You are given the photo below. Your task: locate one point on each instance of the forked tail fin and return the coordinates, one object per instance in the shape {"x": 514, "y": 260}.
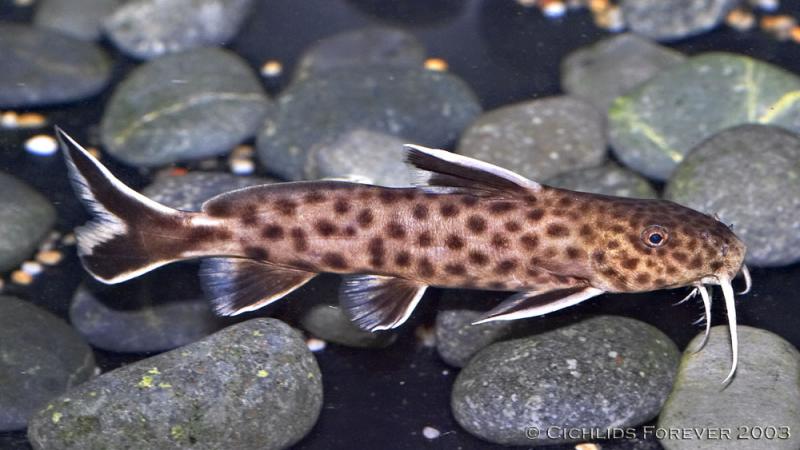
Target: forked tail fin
{"x": 129, "y": 234}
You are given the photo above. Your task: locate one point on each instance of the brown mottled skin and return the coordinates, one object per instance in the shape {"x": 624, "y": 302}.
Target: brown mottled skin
{"x": 553, "y": 238}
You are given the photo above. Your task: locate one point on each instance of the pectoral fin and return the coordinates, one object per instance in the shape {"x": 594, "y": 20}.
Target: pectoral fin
{"x": 531, "y": 304}
{"x": 240, "y": 285}
{"x": 375, "y": 302}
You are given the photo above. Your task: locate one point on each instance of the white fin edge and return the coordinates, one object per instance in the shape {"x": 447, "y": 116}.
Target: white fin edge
{"x": 564, "y": 302}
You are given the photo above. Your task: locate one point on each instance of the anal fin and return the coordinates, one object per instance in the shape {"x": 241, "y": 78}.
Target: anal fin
{"x": 238, "y": 285}
{"x": 532, "y": 304}
{"x": 375, "y": 302}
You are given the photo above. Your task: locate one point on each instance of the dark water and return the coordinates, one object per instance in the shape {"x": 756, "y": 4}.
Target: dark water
{"x": 384, "y": 398}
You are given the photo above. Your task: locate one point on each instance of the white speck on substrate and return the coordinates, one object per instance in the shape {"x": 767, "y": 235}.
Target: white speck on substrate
{"x": 32, "y": 268}
{"x": 575, "y": 373}
{"x": 41, "y": 144}
{"x": 572, "y": 364}
{"x": 316, "y": 345}
{"x": 445, "y": 372}
{"x": 612, "y": 354}
{"x": 553, "y": 155}
{"x": 431, "y": 433}
{"x": 641, "y": 374}
{"x": 242, "y": 166}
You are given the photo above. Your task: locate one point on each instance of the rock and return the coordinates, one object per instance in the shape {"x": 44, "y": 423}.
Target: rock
{"x": 418, "y": 105}
{"x": 457, "y": 340}
{"x": 41, "y": 358}
{"x": 741, "y": 175}
{"x": 668, "y": 20}
{"x": 188, "y": 192}
{"x": 330, "y": 324}
{"x": 374, "y": 45}
{"x": 608, "y": 179}
{"x": 538, "y": 138}
{"x": 601, "y": 372}
{"x": 150, "y": 328}
{"x": 149, "y": 28}
{"x": 25, "y": 218}
{"x": 81, "y": 19}
{"x": 251, "y": 385}
{"x": 762, "y": 398}
{"x": 42, "y": 67}
{"x": 365, "y": 154}
{"x": 612, "y": 67}
{"x": 191, "y": 105}
{"x": 655, "y": 126}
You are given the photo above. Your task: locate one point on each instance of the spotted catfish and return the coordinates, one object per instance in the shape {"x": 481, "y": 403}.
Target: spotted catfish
{"x": 467, "y": 224}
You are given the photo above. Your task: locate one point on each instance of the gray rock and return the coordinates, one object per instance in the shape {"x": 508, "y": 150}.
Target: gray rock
{"x": 81, "y": 19}
{"x": 612, "y": 67}
{"x": 25, "y": 218}
{"x": 366, "y": 46}
{"x": 191, "y": 105}
{"x": 419, "y": 105}
{"x": 40, "y": 358}
{"x": 42, "y": 67}
{"x": 457, "y": 340}
{"x": 188, "y": 192}
{"x": 655, "y": 126}
{"x": 251, "y": 385}
{"x": 602, "y": 372}
{"x": 365, "y": 154}
{"x": 608, "y": 179}
{"x": 150, "y": 28}
{"x": 749, "y": 176}
{"x": 150, "y": 328}
{"x": 331, "y": 324}
{"x": 667, "y": 20}
{"x": 762, "y": 397}
{"x": 538, "y": 138}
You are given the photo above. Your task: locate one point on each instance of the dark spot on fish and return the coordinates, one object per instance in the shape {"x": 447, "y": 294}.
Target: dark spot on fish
{"x": 420, "y": 211}
{"x": 341, "y": 206}
{"x": 376, "y": 252}
{"x": 350, "y": 231}
{"x": 502, "y": 207}
{"x": 449, "y": 209}
{"x": 303, "y": 265}
{"x": 476, "y": 224}
{"x": 499, "y": 285}
{"x": 536, "y": 261}
{"x": 617, "y": 228}
{"x": 630, "y": 263}
{"x": 671, "y": 270}
{"x": 223, "y": 234}
{"x": 219, "y": 209}
{"x": 258, "y": 253}
{"x": 454, "y": 242}
{"x": 395, "y": 230}
{"x": 409, "y": 194}
{"x": 599, "y": 256}
{"x": 455, "y": 269}
{"x": 272, "y": 232}
{"x": 512, "y": 227}
{"x": 529, "y": 198}
{"x": 364, "y": 218}
{"x": 529, "y": 240}
{"x": 334, "y": 260}
{"x": 469, "y": 200}
{"x": 325, "y": 228}
{"x": 649, "y": 263}
{"x": 364, "y": 194}
{"x": 499, "y": 241}
{"x": 249, "y": 216}
{"x": 403, "y": 259}
{"x": 535, "y": 215}
{"x": 478, "y": 258}
{"x": 557, "y": 230}
{"x": 573, "y": 252}
{"x": 716, "y": 265}
{"x": 505, "y": 267}
{"x": 642, "y": 278}
{"x": 388, "y": 196}
{"x": 314, "y": 197}
{"x": 691, "y": 245}
{"x": 286, "y": 206}
{"x": 679, "y": 256}
{"x": 550, "y": 252}
{"x": 660, "y": 282}
{"x": 559, "y": 212}
{"x": 426, "y": 269}
{"x": 612, "y": 244}
{"x": 586, "y": 230}
{"x": 425, "y": 239}
{"x": 696, "y": 262}
{"x": 299, "y": 239}
{"x": 565, "y": 202}
{"x": 201, "y": 233}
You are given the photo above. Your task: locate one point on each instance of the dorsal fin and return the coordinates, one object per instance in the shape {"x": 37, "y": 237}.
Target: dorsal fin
{"x": 448, "y": 169}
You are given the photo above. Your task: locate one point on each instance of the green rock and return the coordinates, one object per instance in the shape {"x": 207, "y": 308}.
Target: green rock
{"x": 458, "y": 340}
{"x": 762, "y": 398}
{"x": 608, "y": 179}
{"x": 331, "y": 324}
{"x": 254, "y": 385}
{"x": 655, "y": 126}
{"x": 25, "y": 218}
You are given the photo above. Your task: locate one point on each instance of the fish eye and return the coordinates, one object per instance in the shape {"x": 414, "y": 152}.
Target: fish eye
{"x": 655, "y": 236}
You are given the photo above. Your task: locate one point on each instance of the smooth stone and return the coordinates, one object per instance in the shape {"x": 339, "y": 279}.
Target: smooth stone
{"x": 191, "y": 105}
{"x": 601, "y": 372}
{"x": 366, "y": 46}
{"x": 43, "y": 67}
{"x": 418, "y": 105}
{"x": 601, "y": 72}
{"x": 151, "y": 328}
{"x": 763, "y": 394}
{"x": 251, "y": 385}
{"x": 42, "y": 357}
{"x": 750, "y": 176}
{"x": 538, "y": 138}
{"x": 457, "y": 340}
{"x": 653, "y": 128}
{"x": 608, "y": 179}
{"x": 81, "y": 19}
{"x": 669, "y": 20}
{"x": 364, "y": 154}
{"x": 149, "y": 28}
{"x": 188, "y": 192}
{"x": 25, "y": 219}
{"x": 331, "y": 324}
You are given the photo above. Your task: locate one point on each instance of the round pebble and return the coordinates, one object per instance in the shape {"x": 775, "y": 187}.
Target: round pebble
{"x": 736, "y": 174}
{"x": 608, "y": 179}
{"x": 458, "y": 340}
{"x": 41, "y": 144}
{"x": 25, "y": 219}
{"x": 331, "y": 324}
{"x": 188, "y": 192}
{"x": 431, "y": 433}
{"x": 81, "y": 19}
{"x": 668, "y": 20}
{"x": 538, "y": 138}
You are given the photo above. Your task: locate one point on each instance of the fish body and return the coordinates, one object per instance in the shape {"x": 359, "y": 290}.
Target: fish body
{"x": 468, "y": 224}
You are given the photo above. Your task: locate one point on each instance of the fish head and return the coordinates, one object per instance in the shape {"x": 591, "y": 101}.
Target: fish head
{"x": 658, "y": 244}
